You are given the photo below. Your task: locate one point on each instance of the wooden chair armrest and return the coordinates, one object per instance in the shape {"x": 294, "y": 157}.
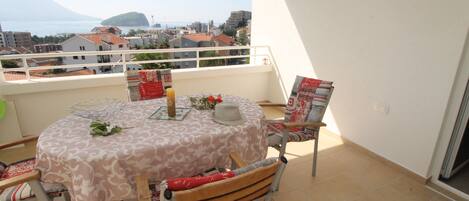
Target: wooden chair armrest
{"x": 143, "y": 190}
{"x": 237, "y": 160}
{"x": 272, "y": 105}
{"x": 304, "y": 124}
{"x": 34, "y": 175}
{"x": 20, "y": 141}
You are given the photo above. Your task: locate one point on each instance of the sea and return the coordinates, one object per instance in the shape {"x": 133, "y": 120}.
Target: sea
{"x": 47, "y": 28}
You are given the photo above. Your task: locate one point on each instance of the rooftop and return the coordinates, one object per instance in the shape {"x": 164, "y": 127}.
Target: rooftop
{"x": 108, "y": 38}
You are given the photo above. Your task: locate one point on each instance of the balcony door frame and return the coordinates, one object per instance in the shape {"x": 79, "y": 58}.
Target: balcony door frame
{"x": 448, "y": 124}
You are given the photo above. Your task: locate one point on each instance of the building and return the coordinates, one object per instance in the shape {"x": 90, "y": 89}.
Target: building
{"x": 94, "y": 42}
{"x": 197, "y": 40}
{"x": 237, "y": 19}
{"x": 44, "y": 48}
{"x": 199, "y": 27}
{"x": 107, "y": 29}
{"x": 2, "y": 40}
{"x": 16, "y": 39}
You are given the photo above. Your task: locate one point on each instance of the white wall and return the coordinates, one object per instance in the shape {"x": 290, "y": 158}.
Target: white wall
{"x": 73, "y": 45}
{"x": 402, "y": 54}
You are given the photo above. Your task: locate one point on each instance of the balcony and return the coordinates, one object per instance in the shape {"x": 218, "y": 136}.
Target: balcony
{"x": 36, "y": 102}
{"x": 400, "y": 76}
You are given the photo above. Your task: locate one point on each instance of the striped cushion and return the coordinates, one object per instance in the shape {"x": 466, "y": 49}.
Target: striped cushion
{"x": 297, "y": 134}
{"x": 23, "y": 191}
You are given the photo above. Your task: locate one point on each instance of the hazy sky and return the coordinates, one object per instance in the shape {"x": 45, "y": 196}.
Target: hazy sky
{"x": 163, "y": 10}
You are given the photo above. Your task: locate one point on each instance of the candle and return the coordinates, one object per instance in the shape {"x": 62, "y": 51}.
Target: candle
{"x": 171, "y": 101}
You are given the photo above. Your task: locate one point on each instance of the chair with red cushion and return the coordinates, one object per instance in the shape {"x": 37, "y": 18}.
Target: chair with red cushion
{"x": 21, "y": 181}
{"x": 303, "y": 115}
{"x": 148, "y": 84}
{"x": 247, "y": 182}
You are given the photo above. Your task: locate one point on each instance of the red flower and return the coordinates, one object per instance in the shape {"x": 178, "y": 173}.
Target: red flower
{"x": 211, "y": 99}
{"x": 219, "y": 100}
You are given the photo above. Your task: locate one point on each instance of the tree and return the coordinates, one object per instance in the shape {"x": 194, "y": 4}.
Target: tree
{"x": 243, "y": 38}
{"x": 9, "y": 64}
{"x": 131, "y": 33}
{"x": 153, "y": 56}
{"x": 229, "y": 32}
{"x": 51, "y": 39}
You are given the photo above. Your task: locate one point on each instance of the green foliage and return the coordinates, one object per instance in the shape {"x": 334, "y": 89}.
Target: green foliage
{"x": 212, "y": 62}
{"x": 127, "y": 19}
{"x": 51, "y": 39}
{"x": 229, "y": 32}
{"x": 133, "y": 32}
{"x": 100, "y": 128}
{"x": 243, "y": 38}
{"x": 9, "y": 64}
{"x": 153, "y": 56}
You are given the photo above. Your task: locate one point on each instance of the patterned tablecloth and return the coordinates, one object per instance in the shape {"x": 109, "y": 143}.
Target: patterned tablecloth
{"x": 103, "y": 168}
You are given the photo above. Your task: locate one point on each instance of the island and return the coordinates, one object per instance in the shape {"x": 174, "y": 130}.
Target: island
{"x": 131, "y": 19}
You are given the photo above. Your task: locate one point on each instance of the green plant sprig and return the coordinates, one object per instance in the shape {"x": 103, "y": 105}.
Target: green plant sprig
{"x": 100, "y": 128}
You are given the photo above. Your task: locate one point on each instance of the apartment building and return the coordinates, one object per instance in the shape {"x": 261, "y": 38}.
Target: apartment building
{"x": 44, "y": 48}
{"x": 94, "y": 42}
{"x": 237, "y": 18}
{"x": 16, "y": 39}
{"x": 197, "y": 40}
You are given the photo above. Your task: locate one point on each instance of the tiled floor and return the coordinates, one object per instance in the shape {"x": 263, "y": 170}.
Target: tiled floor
{"x": 344, "y": 173}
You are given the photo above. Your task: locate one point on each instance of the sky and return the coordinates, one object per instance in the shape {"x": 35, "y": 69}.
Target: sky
{"x": 162, "y": 10}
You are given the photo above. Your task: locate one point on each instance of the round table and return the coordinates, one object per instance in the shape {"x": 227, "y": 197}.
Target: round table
{"x": 103, "y": 168}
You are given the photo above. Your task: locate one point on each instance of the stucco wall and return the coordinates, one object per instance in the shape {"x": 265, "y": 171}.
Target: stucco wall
{"x": 393, "y": 64}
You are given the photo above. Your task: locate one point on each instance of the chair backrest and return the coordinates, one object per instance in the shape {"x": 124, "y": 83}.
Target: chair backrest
{"x": 308, "y": 100}
{"x": 148, "y": 84}
{"x": 255, "y": 183}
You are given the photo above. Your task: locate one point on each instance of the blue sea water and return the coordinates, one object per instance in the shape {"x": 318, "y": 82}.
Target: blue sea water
{"x": 43, "y": 28}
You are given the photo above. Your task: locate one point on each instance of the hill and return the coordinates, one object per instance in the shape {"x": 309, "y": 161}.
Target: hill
{"x": 131, "y": 19}
{"x": 34, "y": 10}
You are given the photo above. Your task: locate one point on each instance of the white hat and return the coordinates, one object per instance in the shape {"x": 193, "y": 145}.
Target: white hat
{"x": 228, "y": 114}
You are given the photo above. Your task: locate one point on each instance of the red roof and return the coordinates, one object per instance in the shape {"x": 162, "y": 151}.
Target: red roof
{"x": 98, "y": 38}
{"x": 227, "y": 40}
{"x": 106, "y": 29}
{"x": 199, "y": 37}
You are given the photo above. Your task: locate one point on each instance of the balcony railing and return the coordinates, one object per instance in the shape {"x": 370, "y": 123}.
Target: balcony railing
{"x": 259, "y": 55}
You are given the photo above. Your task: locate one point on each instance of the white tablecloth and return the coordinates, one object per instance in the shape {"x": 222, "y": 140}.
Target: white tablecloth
{"x": 103, "y": 168}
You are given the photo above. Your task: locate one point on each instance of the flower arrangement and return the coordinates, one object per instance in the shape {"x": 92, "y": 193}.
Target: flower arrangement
{"x": 100, "y": 128}
{"x": 205, "y": 102}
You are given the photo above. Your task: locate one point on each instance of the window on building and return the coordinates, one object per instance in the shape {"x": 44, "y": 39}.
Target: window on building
{"x": 82, "y": 57}
{"x": 121, "y": 46}
{"x": 75, "y": 57}
{"x": 100, "y": 48}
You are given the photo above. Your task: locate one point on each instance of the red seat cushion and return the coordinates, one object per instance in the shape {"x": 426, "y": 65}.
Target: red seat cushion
{"x": 18, "y": 168}
{"x": 178, "y": 184}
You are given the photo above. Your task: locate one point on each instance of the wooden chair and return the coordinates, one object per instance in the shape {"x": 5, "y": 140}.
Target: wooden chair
{"x": 303, "y": 115}
{"x": 27, "y": 176}
{"x": 148, "y": 84}
{"x": 255, "y": 183}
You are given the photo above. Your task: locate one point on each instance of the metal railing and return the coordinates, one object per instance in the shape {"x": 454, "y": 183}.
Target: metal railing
{"x": 253, "y": 55}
